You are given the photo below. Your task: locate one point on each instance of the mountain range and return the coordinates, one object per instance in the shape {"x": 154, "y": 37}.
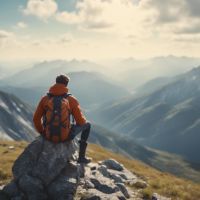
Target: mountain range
{"x": 16, "y": 124}
{"x": 91, "y": 87}
{"x": 43, "y": 74}
{"x": 134, "y": 73}
{"x": 166, "y": 119}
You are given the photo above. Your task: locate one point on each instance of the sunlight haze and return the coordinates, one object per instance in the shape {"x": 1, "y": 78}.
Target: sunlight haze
{"x": 32, "y": 30}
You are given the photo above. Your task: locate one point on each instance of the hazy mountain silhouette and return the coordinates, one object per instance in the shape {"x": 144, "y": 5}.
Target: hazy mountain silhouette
{"x": 43, "y": 74}
{"x": 166, "y": 119}
{"x": 91, "y": 88}
{"x": 135, "y": 73}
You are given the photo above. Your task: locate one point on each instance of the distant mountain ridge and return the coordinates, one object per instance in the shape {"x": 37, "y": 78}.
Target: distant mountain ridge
{"x": 167, "y": 119}
{"x": 137, "y": 72}
{"x": 89, "y": 86}
{"x": 16, "y": 119}
{"x": 43, "y": 73}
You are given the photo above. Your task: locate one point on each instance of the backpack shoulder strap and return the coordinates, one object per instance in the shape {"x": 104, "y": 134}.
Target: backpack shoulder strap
{"x": 49, "y": 95}
{"x": 67, "y": 95}
{"x": 70, "y": 116}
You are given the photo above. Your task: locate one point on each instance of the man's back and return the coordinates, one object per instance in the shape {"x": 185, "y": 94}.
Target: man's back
{"x": 57, "y": 90}
{"x": 52, "y": 128}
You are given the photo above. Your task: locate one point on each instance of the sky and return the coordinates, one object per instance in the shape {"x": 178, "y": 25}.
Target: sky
{"x": 98, "y": 29}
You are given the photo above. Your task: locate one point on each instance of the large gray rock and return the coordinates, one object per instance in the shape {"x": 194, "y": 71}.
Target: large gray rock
{"x": 27, "y": 160}
{"x": 44, "y": 172}
{"x": 64, "y": 186}
{"x": 44, "y": 159}
{"x": 4, "y": 196}
{"x": 32, "y": 187}
{"x": 11, "y": 189}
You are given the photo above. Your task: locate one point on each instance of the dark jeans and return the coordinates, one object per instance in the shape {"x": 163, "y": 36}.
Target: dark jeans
{"x": 76, "y": 129}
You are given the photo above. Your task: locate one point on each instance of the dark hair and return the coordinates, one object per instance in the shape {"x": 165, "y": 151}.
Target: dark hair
{"x": 62, "y": 79}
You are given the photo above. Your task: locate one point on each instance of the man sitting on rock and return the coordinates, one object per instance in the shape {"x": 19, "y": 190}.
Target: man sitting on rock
{"x": 52, "y": 117}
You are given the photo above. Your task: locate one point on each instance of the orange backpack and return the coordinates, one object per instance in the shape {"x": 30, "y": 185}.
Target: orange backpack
{"x": 56, "y": 120}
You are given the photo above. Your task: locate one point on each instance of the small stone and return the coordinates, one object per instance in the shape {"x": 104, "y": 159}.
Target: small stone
{"x": 11, "y": 147}
{"x": 112, "y": 175}
{"x": 94, "y": 173}
{"x": 154, "y": 196}
{"x": 1, "y": 187}
{"x": 103, "y": 170}
{"x": 94, "y": 194}
{"x": 113, "y": 164}
{"x": 124, "y": 176}
{"x": 93, "y": 168}
{"x": 91, "y": 197}
{"x": 140, "y": 184}
{"x": 104, "y": 185}
{"x": 120, "y": 197}
{"x": 116, "y": 178}
{"x": 89, "y": 184}
{"x": 123, "y": 190}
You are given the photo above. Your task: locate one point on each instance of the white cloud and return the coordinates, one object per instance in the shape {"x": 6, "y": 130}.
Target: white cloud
{"x": 21, "y": 25}
{"x": 119, "y": 17}
{"x": 42, "y": 9}
{"x": 6, "y": 38}
{"x": 5, "y": 34}
{"x": 88, "y": 14}
{"x": 112, "y": 28}
{"x": 181, "y": 16}
{"x": 124, "y": 17}
{"x": 68, "y": 18}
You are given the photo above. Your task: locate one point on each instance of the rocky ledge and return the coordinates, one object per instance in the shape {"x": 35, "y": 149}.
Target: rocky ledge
{"x": 47, "y": 171}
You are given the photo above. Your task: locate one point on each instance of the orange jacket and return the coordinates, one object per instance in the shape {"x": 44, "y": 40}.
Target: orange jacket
{"x": 58, "y": 89}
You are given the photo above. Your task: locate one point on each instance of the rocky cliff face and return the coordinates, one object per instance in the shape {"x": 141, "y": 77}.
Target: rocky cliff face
{"x": 47, "y": 171}
{"x": 16, "y": 119}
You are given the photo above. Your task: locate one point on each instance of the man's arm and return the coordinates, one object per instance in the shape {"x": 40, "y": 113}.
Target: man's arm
{"x": 37, "y": 118}
{"x": 76, "y": 111}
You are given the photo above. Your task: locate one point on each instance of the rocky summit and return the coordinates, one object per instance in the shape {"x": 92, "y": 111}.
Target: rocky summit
{"x": 47, "y": 171}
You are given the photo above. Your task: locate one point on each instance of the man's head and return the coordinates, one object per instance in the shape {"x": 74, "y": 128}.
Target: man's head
{"x": 62, "y": 79}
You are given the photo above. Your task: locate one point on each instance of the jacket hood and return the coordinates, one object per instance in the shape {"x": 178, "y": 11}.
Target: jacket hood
{"x": 58, "y": 89}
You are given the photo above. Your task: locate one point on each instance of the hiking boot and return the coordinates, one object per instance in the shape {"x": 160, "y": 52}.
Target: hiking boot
{"x": 82, "y": 151}
{"x": 84, "y": 160}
